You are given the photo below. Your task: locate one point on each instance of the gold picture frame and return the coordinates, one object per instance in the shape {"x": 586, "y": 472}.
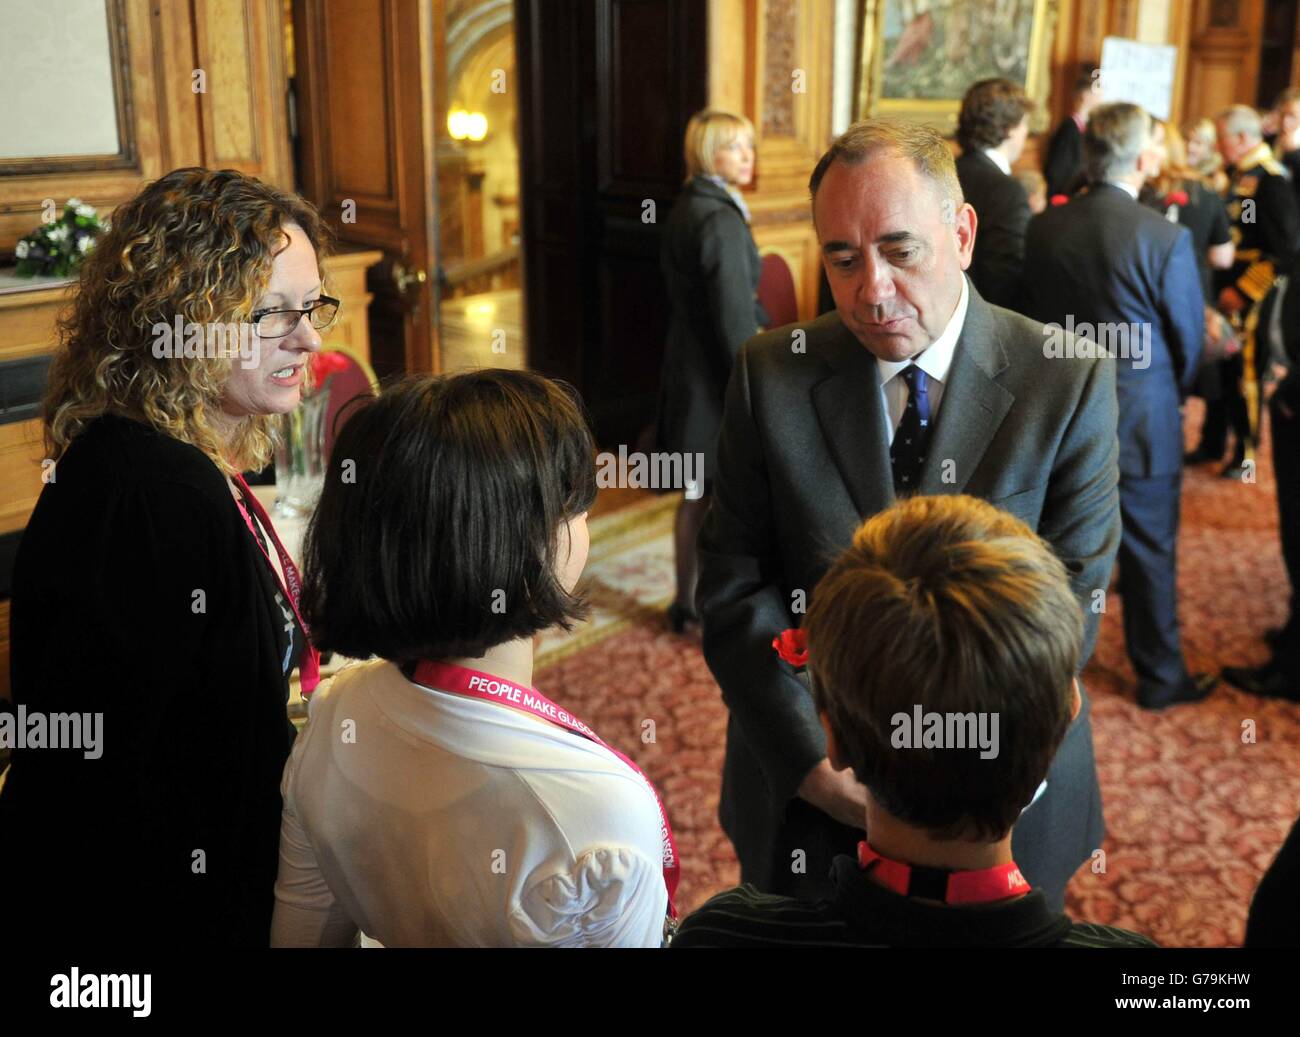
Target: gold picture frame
{"x": 941, "y": 112}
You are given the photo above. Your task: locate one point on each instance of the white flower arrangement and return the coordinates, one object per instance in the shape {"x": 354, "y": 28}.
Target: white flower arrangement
{"x": 58, "y": 248}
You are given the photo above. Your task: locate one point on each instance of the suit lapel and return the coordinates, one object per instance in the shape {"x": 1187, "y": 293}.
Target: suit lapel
{"x": 973, "y": 404}
{"x": 851, "y": 414}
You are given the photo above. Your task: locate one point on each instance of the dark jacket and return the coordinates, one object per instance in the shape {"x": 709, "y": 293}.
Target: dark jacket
{"x": 1265, "y": 224}
{"x": 711, "y": 269}
{"x": 1205, "y": 216}
{"x": 1105, "y": 259}
{"x": 1002, "y": 215}
{"x": 1063, "y": 166}
{"x": 1274, "y": 918}
{"x": 139, "y": 593}
{"x": 803, "y": 460}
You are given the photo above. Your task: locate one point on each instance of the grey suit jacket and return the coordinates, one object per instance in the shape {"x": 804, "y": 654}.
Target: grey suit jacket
{"x": 804, "y": 459}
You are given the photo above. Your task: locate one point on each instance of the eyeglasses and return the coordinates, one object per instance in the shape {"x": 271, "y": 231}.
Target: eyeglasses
{"x": 278, "y": 323}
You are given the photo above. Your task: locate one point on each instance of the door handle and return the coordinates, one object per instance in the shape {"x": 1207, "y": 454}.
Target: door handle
{"x": 404, "y": 278}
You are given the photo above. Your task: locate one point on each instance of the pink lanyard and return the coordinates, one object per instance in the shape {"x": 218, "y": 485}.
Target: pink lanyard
{"x": 309, "y": 668}
{"x": 476, "y": 685}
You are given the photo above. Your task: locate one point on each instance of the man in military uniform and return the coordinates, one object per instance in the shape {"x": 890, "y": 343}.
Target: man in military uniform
{"x": 1280, "y": 676}
{"x": 1265, "y": 229}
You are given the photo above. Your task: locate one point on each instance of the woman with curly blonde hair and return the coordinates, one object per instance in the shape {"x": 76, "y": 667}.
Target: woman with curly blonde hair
{"x": 152, "y": 601}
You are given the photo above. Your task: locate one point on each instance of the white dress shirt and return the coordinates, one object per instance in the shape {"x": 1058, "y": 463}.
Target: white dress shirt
{"x": 428, "y": 819}
{"x": 999, "y": 160}
{"x": 935, "y": 361}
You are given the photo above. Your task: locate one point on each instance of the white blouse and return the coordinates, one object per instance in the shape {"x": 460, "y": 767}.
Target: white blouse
{"x": 427, "y": 819}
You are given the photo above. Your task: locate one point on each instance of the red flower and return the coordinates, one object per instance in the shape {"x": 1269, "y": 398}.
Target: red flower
{"x": 1059, "y": 199}
{"x": 326, "y": 363}
{"x": 792, "y": 646}
{"x": 1175, "y": 198}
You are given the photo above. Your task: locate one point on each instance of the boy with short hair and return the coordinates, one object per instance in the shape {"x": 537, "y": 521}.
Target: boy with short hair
{"x": 942, "y": 647}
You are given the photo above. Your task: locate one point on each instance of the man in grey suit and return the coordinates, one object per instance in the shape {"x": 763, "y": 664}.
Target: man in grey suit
{"x": 913, "y": 384}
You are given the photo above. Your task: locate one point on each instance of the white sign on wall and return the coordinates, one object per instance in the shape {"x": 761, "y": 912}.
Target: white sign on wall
{"x": 1141, "y": 73}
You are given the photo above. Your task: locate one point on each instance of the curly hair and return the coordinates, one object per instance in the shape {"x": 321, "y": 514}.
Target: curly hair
{"x": 197, "y": 244}
{"x": 991, "y": 109}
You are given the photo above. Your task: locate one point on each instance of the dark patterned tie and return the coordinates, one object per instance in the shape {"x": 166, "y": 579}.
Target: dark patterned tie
{"x": 907, "y": 452}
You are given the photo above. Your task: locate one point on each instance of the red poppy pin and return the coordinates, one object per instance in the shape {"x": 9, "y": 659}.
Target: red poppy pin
{"x": 1059, "y": 199}
{"x": 1176, "y": 198}
{"x": 792, "y": 646}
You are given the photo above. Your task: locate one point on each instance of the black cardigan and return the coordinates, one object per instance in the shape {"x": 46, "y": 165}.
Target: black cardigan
{"x": 172, "y": 835}
{"x": 711, "y": 269}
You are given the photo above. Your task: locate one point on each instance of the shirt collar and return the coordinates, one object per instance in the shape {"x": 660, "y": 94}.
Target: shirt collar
{"x": 1081, "y": 122}
{"x": 1127, "y": 188}
{"x": 936, "y": 358}
{"x": 999, "y": 160}
{"x": 901, "y": 921}
{"x": 731, "y": 191}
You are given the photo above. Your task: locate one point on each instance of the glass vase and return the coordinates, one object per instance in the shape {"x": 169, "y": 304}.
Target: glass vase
{"x": 300, "y": 456}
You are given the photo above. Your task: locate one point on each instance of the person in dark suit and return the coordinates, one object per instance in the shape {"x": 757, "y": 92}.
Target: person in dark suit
{"x": 711, "y": 269}
{"x": 913, "y": 385}
{"x": 1063, "y": 164}
{"x": 991, "y": 129}
{"x": 1115, "y": 273}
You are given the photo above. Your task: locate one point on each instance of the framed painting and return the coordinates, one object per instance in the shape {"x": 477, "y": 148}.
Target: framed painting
{"x": 918, "y": 57}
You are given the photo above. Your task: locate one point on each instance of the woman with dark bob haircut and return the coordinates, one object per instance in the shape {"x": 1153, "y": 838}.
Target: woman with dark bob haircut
{"x": 435, "y": 798}
{"x": 146, "y": 604}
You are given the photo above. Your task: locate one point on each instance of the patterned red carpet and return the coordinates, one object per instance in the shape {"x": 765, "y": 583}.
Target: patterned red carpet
{"x": 1198, "y": 799}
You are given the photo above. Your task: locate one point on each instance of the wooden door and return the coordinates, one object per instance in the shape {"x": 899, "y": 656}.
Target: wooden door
{"x": 606, "y": 90}
{"x": 365, "y": 125}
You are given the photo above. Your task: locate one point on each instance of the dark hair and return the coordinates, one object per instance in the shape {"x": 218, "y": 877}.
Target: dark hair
{"x": 951, "y": 605}
{"x": 991, "y": 109}
{"x": 436, "y": 531}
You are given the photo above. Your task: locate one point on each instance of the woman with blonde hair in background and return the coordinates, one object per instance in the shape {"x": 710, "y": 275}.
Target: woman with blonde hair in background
{"x": 711, "y": 268}
{"x": 1203, "y": 156}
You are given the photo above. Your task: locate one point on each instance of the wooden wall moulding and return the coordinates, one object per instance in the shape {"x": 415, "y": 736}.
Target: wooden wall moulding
{"x": 102, "y": 181}
{"x": 352, "y": 135}
{"x": 126, "y": 157}
{"x": 1222, "y": 55}
{"x": 238, "y": 47}
{"x": 780, "y": 57}
{"x": 790, "y": 48}
{"x": 238, "y": 121}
